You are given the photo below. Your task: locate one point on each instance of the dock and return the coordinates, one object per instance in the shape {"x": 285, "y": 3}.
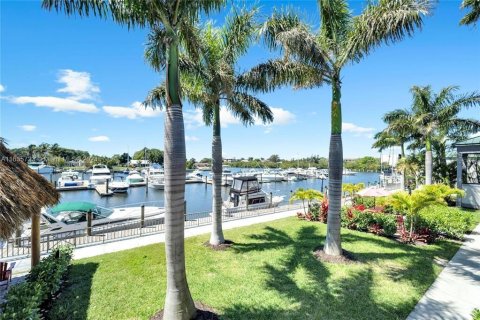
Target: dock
{"x": 74, "y": 188}
{"x": 103, "y": 191}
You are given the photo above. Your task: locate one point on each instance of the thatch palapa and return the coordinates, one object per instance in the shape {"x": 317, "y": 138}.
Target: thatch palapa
{"x": 23, "y": 192}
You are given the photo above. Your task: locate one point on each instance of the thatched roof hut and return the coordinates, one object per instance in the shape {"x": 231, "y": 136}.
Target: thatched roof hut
{"x": 23, "y": 192}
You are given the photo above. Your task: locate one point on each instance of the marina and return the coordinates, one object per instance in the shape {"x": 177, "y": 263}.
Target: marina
{"x": 198, "y": 190}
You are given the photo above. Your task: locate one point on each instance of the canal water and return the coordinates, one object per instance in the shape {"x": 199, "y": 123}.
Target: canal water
{"x": 198, "y": 195}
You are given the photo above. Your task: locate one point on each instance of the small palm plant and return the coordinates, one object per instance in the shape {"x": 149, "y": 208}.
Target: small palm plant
{"x": 422, "y": 198}
{"x": 308, "y": 195}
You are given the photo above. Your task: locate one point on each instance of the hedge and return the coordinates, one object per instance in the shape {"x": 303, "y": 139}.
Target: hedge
{"x": 23, "y": 301}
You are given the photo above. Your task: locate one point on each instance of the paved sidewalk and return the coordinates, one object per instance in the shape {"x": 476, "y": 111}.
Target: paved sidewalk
{"x": 456, "y": 292}
{"x": 23, "y": 265}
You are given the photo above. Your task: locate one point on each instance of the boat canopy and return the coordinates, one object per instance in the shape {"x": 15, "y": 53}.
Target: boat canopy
{"x": 244, "y": 185}
{"x": 73, "y": 206}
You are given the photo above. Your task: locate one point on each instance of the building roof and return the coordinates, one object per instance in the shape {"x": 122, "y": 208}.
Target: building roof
{"x": 468, "y": 142}
{"x": 23, "y": 192}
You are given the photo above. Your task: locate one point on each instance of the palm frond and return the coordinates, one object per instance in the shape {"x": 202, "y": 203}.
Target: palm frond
{"x": 474, "y": 14}
{"x": 387, "y": 21}
{"x": 254, "y": 106}
{"x": 279, "y": 72}
{"x": 238, "y": 32}
{"x": 156, "y": 47}
{"x": 279, "y": 22}
{"x": 156, "y": 98}
{"x": 335, "y": 20}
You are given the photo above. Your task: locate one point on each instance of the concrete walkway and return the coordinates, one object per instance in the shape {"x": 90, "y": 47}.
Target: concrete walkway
{"x": 456, "y": 292}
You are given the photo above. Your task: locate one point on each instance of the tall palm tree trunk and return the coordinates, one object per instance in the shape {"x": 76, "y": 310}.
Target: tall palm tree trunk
{"x": 428, "y": 162}
{"x": 178, "y": 301}
{"x": 333, "y": 245}
{"x": 216, "y": 236}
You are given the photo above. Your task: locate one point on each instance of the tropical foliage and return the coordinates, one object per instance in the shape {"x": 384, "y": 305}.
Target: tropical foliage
{"x": 309, "y": 195}
{"x": 428, "y": 195}
{"x": 474, "y": 14}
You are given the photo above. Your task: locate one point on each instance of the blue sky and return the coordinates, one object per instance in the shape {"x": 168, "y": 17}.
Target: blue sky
{"x": 77, "y": 82}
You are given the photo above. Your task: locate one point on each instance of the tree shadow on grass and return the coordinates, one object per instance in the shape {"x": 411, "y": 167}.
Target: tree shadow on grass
{"x": 74, "y": 299}
{"x": 349, "y": 296}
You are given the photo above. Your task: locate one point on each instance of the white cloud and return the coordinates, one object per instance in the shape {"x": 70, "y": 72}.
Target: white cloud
{"x": 55, "y": 103}
{"x": 193, "y": 118}
{"x": 78, "y": 85}
{"x": 280, "y": 117}
{"x": 191, "y": 138}
{"x": 99, "y": 139}
{"x": 135, "y": 111}
{"x": 227, "y": 118}
{"x": 28, "y": 127}
{"x": 357, "y": 130}
{"x": 2, "y": 88}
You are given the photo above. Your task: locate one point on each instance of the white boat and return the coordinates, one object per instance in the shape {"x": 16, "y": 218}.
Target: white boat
{"x": 195, "y": 175}
{"x": 348, "y": 172}
{"x": 227, "y": 178}
{"x": 156, "y": 178}
{"x": 71, "y": 179}
{"x": 246, "y": 194}
{"x": 271, "y": 176}
{"x": 100, "y": 174}
{"x": 135, "y": 180}
{"x": 70, "y": 216}
{"x": 118, "y": 186}
{"x": 40, "y": 167}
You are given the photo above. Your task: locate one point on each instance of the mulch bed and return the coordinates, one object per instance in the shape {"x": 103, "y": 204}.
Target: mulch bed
{"x": 345, "y": 258}
{"x": 221, "y": 247}
{"x": 204, "y": 312}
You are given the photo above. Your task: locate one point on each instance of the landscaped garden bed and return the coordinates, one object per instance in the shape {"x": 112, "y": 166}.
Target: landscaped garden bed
{"x": 269, "y": 272}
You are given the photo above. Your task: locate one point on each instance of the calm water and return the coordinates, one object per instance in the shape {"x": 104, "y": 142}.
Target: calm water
{"x": 198, "y": 195}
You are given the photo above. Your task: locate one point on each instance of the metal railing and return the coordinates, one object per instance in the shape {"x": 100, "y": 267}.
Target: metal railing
{"x": 18, "y": 248}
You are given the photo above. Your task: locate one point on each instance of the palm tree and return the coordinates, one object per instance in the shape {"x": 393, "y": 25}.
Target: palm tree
{"x": 341, "y": 39}
{"x": 172, "y": 22}
{"x": 213, "y": 80}
{"x": 436, "y": 118}
{"x": 473, "y": 16}
{"x": 31, "y": 151}
{"x": 400, "y": 129}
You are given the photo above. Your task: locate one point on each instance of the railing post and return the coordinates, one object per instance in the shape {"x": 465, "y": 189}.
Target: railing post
{"x": 89, "y": 221}
{"x": 48, "y": 243}
{"x": 18, "y": 237}
{"x": 74, "y": 238}
{"x": 185, "y": 210}
{"x": 142, "y": 216}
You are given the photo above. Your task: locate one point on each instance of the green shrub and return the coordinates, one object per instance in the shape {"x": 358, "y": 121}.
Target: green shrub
{"x": 23, "y": 301}
{"x": 368, "y": 202}
{"x": 357, "y": 218}
{"x": 450, "y": 222}
{"x": 476, "y": 314}
{"x": 314, "y": 211}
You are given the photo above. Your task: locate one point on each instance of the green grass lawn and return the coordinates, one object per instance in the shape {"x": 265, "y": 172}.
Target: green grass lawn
{"x": 270, "y": 273}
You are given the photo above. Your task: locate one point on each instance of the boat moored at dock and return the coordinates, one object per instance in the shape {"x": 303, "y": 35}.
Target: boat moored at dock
{"x": 100, "y": 174}
{"x": 40, "y": 167}
{"x": 246, "y": 194}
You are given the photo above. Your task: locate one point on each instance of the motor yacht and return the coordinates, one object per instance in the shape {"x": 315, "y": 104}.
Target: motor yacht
{"x": 156, "y": 178}
{"x": 100, "y": 174}
{"x": 72, "y": 179}
{"x": 246, "y": 194}
{"x": 135, "y": 180}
